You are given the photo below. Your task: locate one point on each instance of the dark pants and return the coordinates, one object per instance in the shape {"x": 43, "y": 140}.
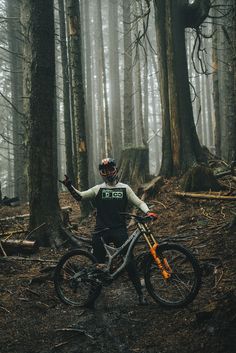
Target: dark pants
{"x": 118, "y": 237}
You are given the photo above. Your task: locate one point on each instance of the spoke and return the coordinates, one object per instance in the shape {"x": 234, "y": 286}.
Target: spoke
{"x": 181, "y": 282}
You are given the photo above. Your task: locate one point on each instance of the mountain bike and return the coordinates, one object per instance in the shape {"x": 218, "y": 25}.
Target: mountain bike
{"x": 172, "y": 274}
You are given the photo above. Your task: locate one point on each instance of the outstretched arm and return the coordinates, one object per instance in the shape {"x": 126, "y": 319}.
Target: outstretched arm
{"x": 78, "y": 195}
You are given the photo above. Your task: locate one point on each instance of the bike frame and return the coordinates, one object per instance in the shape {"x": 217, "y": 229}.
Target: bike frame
{"x": 142, "y": 229}
{"x": 113, "y": 252}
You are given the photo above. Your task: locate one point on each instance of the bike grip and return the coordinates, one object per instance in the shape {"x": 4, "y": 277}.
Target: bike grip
{"x": 152, "y": 215}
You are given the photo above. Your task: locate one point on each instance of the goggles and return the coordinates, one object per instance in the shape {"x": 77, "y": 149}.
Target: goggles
{"x": 108, "y": 171}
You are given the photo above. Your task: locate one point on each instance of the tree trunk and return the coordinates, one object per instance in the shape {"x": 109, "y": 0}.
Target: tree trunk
{"x": 133, "y": 166}
{"x": 216, "y": 93}
{"x": 74, "y": 32}
{"x": 66, "y": 94}
{"x": 44, "y": 205}
{"x": 104, "y": 98}
{"x": 128, "y": 82}
{"x": 15, "y": 48}
{"x": 200, "y": 178}
{"x": 181, "y": 147}
{"x": 227, "y": 93}
{"x": 114, "y": 69}
{"x": 89, "y": 97}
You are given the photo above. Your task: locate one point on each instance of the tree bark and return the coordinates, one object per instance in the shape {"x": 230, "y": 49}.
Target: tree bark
{"x": 181, "y": 147}
{"x": 133, "y": 166}
{"x": 114, "y": 76}
{"x": 15, "y": 48}
{"x": 128, "y": 82}
{"x": 66, "y": 94}
{"x": 44, "y": 204}
{"x": 74, "y": 33}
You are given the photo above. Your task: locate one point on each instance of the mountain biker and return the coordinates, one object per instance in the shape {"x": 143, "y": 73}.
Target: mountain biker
{"x": 111, "y": 198}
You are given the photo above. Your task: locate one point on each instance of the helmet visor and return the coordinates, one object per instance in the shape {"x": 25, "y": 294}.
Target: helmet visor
{"x": 108, "y": 171}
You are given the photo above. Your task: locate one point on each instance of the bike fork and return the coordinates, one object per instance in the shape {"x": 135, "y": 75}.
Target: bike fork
{"x": 153, "y": 245}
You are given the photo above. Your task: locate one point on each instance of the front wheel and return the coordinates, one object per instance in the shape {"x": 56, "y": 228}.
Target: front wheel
{"x": 71, "y": 280}
{"x": 184, "y": 279}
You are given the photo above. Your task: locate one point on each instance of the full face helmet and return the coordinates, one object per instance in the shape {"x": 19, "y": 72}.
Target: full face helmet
{"x": 108, "y": 170}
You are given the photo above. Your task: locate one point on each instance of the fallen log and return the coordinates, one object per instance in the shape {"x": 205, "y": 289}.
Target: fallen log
{"x": 13, "y": 246}
{"x": 151, "y": 188}
{"x": 205, "y": 196}
{"x": 27, "y": 215}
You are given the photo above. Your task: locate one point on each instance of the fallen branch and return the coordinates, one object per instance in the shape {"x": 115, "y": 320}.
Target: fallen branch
{"x": 13, "y": 232}
{"x": 151, "y": 188}
{"x": 19, "y": 245}
{"x": 205, "y": 196}
{"x": 21, "y": 258}
{"x": 27, "y": 215}
{"x": 4, "y": 309}
{"x": 76, "y": 330}
{"x": 34, "y": 230}
{"x": 3, "y": 251}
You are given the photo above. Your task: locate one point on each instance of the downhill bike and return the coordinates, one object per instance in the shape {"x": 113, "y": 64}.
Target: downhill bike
{"x": 172, "y": 274}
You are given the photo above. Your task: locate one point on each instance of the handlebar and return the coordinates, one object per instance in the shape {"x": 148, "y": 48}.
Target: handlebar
{"x": 139, "y": 219}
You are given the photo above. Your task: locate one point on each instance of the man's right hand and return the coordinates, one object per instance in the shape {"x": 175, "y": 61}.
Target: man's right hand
{"x": 67, "y": 182}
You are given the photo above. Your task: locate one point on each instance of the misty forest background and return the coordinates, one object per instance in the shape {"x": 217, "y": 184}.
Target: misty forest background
{"x": 150, "y": 83}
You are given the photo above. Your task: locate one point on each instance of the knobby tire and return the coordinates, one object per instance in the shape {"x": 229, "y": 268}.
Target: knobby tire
{"x": 184, "y": 283}
{"x": 72, "y": 286}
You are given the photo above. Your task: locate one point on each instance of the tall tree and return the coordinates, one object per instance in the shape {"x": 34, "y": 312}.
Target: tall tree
{"x": 66, "y": 94}
{"x": 114, "y": 69}
{"x": 75, "y": 46}
{"x": 89, "y": 97}
{"x": 104, "y": 97}
{"x": 216, "y": 93}
{"x": 44, "y": 205}
{"x": 226, "y": 58}
{"x": 15, "y": 55}
{"x": 128, "y": 82}
{"x": 180, "y": 144}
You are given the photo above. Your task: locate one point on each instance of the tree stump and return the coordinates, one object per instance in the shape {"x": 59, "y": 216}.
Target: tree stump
{"x": 200, "y": 178}
{"x": 150, "y": 189}
{"x": 134, "y": 166}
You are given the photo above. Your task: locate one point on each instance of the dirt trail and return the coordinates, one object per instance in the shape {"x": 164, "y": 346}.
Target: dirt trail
{"x": 33, "y": 320}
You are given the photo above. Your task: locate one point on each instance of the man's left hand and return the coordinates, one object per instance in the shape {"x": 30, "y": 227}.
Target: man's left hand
{"x": 152, "y": 215}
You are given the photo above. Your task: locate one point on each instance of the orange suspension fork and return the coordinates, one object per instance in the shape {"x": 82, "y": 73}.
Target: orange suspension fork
{"x": 153, "y": 245}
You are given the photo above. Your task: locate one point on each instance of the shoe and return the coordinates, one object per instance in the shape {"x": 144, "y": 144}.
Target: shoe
{"x": 142, "y": 300}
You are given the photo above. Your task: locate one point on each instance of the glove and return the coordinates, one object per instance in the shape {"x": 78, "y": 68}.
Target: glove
{"x": 67, "y": 182}
{"x": 152, "y": 215}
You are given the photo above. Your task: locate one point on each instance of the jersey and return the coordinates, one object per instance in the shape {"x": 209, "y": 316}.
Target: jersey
{"x": 110, "y": 201}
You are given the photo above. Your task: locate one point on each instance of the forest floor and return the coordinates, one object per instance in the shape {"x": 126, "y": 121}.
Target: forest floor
{"x": 33, "y": 320}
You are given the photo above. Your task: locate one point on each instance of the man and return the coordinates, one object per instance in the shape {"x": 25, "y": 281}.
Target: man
{"x": 111, "y": 198}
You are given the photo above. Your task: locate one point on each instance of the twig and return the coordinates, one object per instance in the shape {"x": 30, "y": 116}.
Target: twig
{"x": 59, "y": 345}
{"x": 219, "y": 280}
{"x": 77, "y": 330}
{"x": 34, "y": 230}
{"x": 20, "y": 258}
{"x": 3, "y": 251}
{"x": 4, "y": 309}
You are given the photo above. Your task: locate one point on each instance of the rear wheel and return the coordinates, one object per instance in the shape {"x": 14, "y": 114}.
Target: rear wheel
{"x": 71, "y": 281}
{"x": 184, "y": 281}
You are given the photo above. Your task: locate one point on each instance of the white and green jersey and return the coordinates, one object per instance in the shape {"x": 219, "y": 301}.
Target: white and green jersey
{"x": 110, "y": 201}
